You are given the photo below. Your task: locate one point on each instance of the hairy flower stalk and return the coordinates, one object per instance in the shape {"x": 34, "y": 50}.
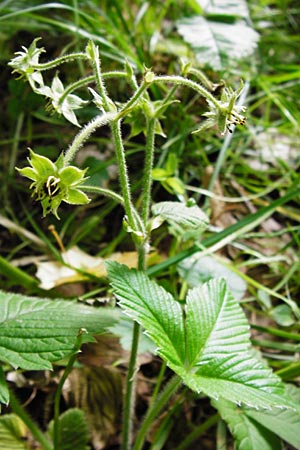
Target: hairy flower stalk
{"x": 222, "y": 113}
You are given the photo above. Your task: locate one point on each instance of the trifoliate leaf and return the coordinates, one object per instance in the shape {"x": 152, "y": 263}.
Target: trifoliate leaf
{"x": 207, "y": 343}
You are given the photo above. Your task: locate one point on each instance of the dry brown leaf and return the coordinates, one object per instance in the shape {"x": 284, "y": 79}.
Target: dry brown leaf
{"x": 53, "y": 273}
{"x": 98, "y": 392}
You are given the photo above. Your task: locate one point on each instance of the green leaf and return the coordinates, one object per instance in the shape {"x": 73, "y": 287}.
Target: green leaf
{"x": 197, "y": 269}
{"x": 35, "y": 332}
{"x": 162, "y": 319}
{"x": 283, "y": 315}
{"x": 73, "y": 430}
{"x": 248, "y": 434}
{"x": 187, "y": 220}
{"x": 4, "y": 393}
{"x": 207, "y": 345}
{"x": 237, "y": 8}
{"x": 218, "y": 44}
{"x": 13, "y": 433}
{"x": 285, "y": 423}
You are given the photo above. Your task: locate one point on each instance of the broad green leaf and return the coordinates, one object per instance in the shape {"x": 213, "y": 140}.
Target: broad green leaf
{"x": 207, "y": 345}
{"x": 4, "y": 393}
{"x": 34, "y": 332}
{"x": 237, "y": 8}
{"x": 188, "y": 221}
{"x": 73, "y": 430}
{"x": 223, "y": 329}
{"x": 197, "y": 269}
{"x": 285, "y": 423}
{"x": 218, "y": 44}
{"x": 248, "y": 434}
{"x": 162, "y": 319}
{"x": 13, "y": 433}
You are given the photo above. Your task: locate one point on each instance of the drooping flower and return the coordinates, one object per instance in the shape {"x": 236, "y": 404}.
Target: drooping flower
{"x": 225, "y": 112}
{"x": 25, "y": 63}
{"x": 61, "y": 103}
{"x": 52, "y": 183}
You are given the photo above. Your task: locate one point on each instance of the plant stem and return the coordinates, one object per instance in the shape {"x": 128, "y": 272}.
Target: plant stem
{"x": 85, "y": 133}
{"x": 129, "y": 399}
{"x": 147, "y": 181}
{"x": 76, "y": 85}
{"x": 90, "y": 79}
{"x": 31, "y": 425}
{"x": 58, "y": 61}
{"x": 56, "y": 428}
{"x": 134, "y": 99}
{"x": 142, "y": 252}
{"x": 181, "y": 81}
{"x": 97, "y": 70}
{"x": 114, "y": 196}
{"x": 123, "y": 174}
{"x": 117, "y": 137}
{"x": 154, "y": 409}
{"x": 159, "y": 381}
{"x": 15, "y": 144}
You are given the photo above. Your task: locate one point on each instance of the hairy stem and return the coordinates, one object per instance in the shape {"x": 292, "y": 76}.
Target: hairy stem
{"x": 129, "y": 400}
{"x": 123, "y": 174}
{"x": 181, "y": 81}
{"x": 85, "y": 133}
{"x": 134, "y": 99}
{"x": 114, "y": 196}
{"x": 99, "y": 81}
{"x": 147, "y": 180}
{"x": 58, "y": 61}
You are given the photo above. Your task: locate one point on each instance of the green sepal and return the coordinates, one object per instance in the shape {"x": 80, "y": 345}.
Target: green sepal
{"x": 76, "y": 197}
{"x": 28, "y": 172}
{"x": 42, "y": 165}
{"x": 71, "y": 175}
